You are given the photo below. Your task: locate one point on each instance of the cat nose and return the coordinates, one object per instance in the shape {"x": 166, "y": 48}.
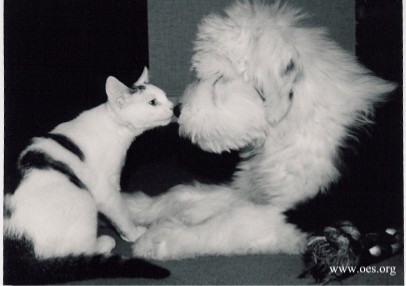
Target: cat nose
{"x": 177, "y": 110}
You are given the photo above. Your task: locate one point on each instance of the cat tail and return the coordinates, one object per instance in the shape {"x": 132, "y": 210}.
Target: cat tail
{"x": 22, "y": 267}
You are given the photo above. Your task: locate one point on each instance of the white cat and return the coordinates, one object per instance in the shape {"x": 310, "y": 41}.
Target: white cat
{"x": 71, "y": 174}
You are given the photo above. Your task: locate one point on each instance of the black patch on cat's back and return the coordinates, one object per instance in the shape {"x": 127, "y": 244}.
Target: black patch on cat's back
{"x": 39, "y": 160}
{"x": 67, "y": 143}
{"x": 7, "y": 211}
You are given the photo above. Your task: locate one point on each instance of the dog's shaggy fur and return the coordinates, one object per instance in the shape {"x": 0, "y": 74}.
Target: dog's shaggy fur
{"x": 286, "y": 96}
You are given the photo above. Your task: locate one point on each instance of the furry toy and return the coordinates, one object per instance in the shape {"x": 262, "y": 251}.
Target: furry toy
{"x": 342, "y": 245}
{"x": 285, "y": 96}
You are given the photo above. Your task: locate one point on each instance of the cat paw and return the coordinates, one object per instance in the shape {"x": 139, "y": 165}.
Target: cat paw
{"x": 134, "y": 234}
{"x": 105, "y": 244}
{"x": 164, "y": 243}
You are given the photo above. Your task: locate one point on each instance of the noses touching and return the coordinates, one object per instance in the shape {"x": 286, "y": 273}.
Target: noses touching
{"x": 177, "y": 110}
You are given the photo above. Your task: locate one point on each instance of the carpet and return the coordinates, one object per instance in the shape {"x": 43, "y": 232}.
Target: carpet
{"x": 264, "y": 269}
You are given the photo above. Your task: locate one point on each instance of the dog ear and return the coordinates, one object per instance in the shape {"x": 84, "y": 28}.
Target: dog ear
{"x": 275, "y": 78}
{"x": 278, "y": 106}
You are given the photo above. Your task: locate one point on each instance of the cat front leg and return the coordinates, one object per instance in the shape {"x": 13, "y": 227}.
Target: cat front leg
{"x": 111, "y": 204}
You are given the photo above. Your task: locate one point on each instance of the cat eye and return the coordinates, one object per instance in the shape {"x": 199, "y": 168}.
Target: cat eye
{"x": 154, "y": 102}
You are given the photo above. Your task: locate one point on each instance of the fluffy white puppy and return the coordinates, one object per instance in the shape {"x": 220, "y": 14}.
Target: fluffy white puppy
{"x": 284, "y": 95}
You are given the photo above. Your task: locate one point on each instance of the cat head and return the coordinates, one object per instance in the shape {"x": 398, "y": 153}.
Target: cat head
{"x": 141, "y": 106}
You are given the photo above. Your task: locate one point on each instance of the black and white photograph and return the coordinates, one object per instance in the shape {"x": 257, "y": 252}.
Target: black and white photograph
{"x": 216, "y": 142}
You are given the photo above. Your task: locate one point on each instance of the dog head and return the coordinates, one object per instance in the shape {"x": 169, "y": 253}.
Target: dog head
{"x": 246, "y": 74}
{"x": 257, "y": 69}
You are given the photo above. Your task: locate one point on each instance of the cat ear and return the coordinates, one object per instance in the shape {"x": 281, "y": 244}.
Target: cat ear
{"x": 117, "y": 92}
{"x": 144, "y": 78}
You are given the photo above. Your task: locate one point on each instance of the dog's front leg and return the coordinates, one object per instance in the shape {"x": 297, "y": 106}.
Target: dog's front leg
{"x": 189, "y": 204}
{"x": 240, "y": 230}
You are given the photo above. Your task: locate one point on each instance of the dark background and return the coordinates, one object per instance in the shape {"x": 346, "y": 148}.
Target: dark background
{"x": 58, "y": 55}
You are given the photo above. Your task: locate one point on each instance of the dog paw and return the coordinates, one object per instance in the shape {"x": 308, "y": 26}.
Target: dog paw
{"x": 151, "y": 249}
{"x": 164, "y": 243}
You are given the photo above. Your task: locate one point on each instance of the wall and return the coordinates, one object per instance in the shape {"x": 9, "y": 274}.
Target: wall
{"x": 172, "y": 28}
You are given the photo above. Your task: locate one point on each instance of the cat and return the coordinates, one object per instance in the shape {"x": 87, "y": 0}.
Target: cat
{"x": 68, "y": 176}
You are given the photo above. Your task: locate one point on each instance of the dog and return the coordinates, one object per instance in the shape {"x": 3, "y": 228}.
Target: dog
{"x": 286, "y": 97}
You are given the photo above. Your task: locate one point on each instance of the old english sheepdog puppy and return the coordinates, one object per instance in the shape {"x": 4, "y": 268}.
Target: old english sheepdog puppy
{"x": 286, "y": 97}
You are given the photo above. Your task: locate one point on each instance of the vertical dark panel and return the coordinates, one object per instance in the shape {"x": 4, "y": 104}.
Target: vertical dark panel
{"x": 379, "y": 37}
{"x": 379, "y": 47}
{"x": 58, "y": 55}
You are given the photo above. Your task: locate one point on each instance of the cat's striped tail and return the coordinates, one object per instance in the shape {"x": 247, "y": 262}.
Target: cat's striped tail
{"x": 22, "y": 267}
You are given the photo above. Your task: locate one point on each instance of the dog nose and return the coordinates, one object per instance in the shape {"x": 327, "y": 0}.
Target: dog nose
{"x": 177, "y": 110}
